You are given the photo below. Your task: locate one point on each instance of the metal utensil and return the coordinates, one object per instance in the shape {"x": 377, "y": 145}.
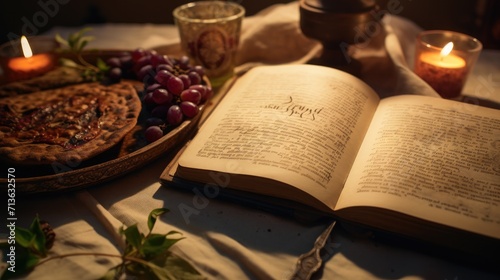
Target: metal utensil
{"x": 311, "y": 261}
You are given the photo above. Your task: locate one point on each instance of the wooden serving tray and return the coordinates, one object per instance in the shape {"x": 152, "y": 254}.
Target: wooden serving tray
{"x": 67, "y": 177}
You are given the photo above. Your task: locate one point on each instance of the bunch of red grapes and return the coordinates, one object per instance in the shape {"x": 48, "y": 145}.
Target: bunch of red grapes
{"x": 173, "y": 88}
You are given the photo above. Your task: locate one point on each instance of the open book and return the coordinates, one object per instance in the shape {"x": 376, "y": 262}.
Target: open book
{"x": 419, "y": 166}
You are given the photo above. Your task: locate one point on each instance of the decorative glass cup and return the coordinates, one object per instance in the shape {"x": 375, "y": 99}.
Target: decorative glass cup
{"x": 444, "y": 60}
{"x": 209, "y": 33}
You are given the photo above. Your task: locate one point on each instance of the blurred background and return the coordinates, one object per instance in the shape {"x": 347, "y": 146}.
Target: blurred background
{"x": 479, "y": 18}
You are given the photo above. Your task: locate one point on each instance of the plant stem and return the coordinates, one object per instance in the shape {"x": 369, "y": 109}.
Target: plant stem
{"x": 124, "y": 258}
{"x": 85, "y": 63}
{"x": 79, "y": 254}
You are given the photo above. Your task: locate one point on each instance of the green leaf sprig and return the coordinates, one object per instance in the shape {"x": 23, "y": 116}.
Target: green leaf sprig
{"x": 75, "y": 45}
{"x": 146, "y": 256}
{"x": 32, "y": 248}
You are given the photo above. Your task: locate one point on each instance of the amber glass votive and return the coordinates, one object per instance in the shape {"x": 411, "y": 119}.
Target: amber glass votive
{"x": 34, "y": 59}
{"x": 444, "y": 60}
{"x": 210, "y": 34}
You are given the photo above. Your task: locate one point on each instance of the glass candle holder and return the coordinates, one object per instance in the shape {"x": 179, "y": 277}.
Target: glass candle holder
{"x": 210, "y": 33}
{"x": 34, "y": 59}
{"x": 444, "y": 60}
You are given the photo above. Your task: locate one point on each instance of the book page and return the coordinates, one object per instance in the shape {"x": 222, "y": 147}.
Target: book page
{"x": 298, "y": 124}
{"x": 434, "y": 159}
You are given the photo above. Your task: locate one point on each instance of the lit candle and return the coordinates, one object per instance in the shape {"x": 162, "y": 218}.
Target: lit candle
{"x": 30, "y": 65}
{"x": 444, "y": 72}
{"x": 444, "y": 59}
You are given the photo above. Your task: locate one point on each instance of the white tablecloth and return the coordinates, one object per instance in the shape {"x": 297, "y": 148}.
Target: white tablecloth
{"x": 225, "y": 240}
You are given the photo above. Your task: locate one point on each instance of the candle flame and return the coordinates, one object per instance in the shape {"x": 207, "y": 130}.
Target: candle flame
{"x": 26, "y": 47}
{"x": 447, "y": 49}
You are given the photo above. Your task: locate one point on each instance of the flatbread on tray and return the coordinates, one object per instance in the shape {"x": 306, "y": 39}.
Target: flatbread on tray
{"x": 68, "y": 125}
{"x": 59, "y": 77}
